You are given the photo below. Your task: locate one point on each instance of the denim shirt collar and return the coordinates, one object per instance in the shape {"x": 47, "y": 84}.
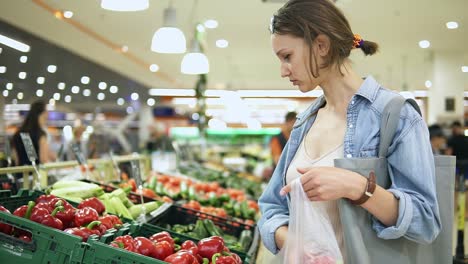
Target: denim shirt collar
{"x": 368, "y": 90}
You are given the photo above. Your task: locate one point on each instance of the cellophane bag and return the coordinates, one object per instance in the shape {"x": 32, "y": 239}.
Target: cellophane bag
{"x": 311, "y": 239}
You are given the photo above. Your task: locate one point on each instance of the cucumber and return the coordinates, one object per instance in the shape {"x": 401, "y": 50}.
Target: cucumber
{"x": 245, "y": 239}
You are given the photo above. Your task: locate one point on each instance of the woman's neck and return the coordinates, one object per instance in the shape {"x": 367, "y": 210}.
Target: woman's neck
{"x": 338, "y": 89}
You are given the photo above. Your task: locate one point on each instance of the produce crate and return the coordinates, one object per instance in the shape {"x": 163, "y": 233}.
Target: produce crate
{"x": 48, "y": 245}
{"x": 184, "y": 216}
{"x": 101, "y": 252}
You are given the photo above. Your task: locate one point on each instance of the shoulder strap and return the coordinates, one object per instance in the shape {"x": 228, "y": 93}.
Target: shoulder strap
{"x": 390, "y": 119}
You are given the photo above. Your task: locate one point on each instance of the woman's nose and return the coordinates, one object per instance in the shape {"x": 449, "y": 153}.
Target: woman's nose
{"x": 285, "y": 72}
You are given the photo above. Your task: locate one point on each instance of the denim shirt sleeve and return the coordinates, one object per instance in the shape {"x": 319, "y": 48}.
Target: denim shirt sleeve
{"x": 412, "y": 172}
{"x": 274, "y": 208}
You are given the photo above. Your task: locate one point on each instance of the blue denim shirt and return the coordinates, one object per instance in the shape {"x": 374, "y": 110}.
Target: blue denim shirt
{"x": 410, "y": 159}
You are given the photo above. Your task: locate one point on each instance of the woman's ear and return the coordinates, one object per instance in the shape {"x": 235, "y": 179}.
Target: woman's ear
{"x": 322, "y": 44}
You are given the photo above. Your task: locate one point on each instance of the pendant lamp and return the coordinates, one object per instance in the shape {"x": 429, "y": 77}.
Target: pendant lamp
{"x": 169, "y": 39}
{"x": 195, "y": 62}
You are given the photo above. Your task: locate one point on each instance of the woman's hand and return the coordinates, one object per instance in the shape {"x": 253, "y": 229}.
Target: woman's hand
{"x": 329, "y": 183}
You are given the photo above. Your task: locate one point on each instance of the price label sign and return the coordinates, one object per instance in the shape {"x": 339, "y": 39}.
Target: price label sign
{"x": 29, "y": 147}
{"x": 136, "y": 172}
{"x": 78, "y": 154}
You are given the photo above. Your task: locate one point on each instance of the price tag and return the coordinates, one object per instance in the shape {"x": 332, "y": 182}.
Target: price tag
{"x": 78, "y": 154}
{"x": 136, "y": 172}
{"x": 29, "y": 147}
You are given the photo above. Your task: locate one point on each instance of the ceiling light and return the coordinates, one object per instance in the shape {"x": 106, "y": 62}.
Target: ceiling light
{"x": 5, "y": 93}
{"x": 24, "y": 59}
{"x": 20, "y": 96}
{"x": 124, "y": 48}
{"x": 200, "y": 28}
{"x": 211, "y": 23}
{"x": 22, "y": 75}
{"x": 120, "y": 101}
{"x": 85, "y": 80}
{"x": 14, "y": 44}
{"x": 195, "y": 62}
{"x": 61, "y": 86}
{"x": 125, "y": 5}
{"x": 102, "y": 85}
{"x": 222, "y": 43}
{"x": 40, "y": 80}
{"x": 113, "y": 89}
{"x": 129, "y": 110}
{"x": 424, "y": 44}
{"x": 39, "y": 92}
{"x": 52, "y": 68}
{"x": 464, "y": 68}
{"x": 101, "y": 96}
{"x": 75, "y": 89}
{"x": 452, "y": 25}
{"x": 169, "y": 39}
{"x": 67, "y": 14}
{"x": 2, "y": 69}
{"x": 150, "y": 101}
{"x": 86, "y": 92}
{"x": 51, "y": 101}
{"x": 58, "y": 14}
{"x": 1, "y": 50}
{"x": 154, "y": 67}
{"x": 56, "y": 96}
{"x": 171, "y": 92}
{"x": 134, "y": 96}
{"x": 68, "y": 98}
{"x": 9, "y": 86}
{"x": 428, "y": 84}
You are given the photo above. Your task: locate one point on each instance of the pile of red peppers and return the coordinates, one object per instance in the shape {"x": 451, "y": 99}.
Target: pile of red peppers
{"x": 51, "y": 211}
{"x": 161, "y": 246}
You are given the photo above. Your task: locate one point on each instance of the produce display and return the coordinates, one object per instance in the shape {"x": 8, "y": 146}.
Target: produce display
{"x": 86, "y": 219}
{"x": 208, "y": 217}
{"x": 115, "y": 202}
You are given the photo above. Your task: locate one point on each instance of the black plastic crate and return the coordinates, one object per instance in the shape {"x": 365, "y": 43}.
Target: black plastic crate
{"x": 176, "y": 214}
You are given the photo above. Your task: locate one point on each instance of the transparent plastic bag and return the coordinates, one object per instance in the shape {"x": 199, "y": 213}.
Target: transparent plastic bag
{"x": 311, "y": 239}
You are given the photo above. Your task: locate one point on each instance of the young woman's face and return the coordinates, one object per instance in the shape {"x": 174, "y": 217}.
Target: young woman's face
{"x": 293, "y": 54}
{"x": 43, "y": 119}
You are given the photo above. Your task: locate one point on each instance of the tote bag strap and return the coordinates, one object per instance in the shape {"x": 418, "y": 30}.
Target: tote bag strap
{"x": 390, "y": 119}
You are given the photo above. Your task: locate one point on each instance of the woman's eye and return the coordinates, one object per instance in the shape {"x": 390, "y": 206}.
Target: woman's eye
{"x": 286, "y": 57}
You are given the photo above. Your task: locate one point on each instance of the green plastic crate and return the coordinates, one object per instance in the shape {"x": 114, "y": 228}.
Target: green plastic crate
{"x": 48, "y": 245}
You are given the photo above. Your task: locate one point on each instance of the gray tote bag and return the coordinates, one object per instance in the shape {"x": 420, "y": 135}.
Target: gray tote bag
{"x": 361, "y": 241}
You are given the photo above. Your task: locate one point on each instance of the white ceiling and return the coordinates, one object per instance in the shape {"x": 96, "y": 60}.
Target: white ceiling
{"x": 248, "y": 62}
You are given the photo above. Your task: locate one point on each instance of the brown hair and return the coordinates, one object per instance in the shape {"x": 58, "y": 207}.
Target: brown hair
{"x": 308, "y": 18}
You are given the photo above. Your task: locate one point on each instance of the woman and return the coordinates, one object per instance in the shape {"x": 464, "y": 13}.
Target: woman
{"x": 34, "y": 125}
{"x": 313, "y": 40}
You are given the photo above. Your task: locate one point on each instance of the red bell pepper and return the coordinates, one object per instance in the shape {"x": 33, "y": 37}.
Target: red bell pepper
{"x": 218, "y": 258}
{"x": 207, "y": 247}
{"x": 67, "y": 216}
{"x": 163, "y": 236}
{"x": 144, "y": 246}
{"x": 84, "y": 232}
{"x": 85, "y": 216}
{"x": 25, "y": 238}
{"x": 4, "y": 228}
{"x": 162, "y": 250}
{"x": 94, "y": 203}
{"x": 111, "y": 221}
{"x": 41, "y": 216}
{"x": 45, "y": 198}
{"x": 182, "y": 257}
{"x": 25, "y": 210}
{"x": 124, "y": 242}
{"x": 45, "y": 206}
{"x": 188, "y": 244}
